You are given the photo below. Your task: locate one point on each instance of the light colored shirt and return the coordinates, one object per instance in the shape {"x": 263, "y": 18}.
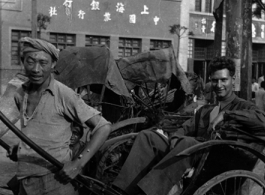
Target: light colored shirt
{"x": 255, "y": 87}
{"x": 260, "y": 99}
{"x": 49, "y": 126}
{"x": 260, "y": 79}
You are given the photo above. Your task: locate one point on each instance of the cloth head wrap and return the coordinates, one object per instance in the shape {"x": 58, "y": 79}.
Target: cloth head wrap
{"x": 33, "y": 45}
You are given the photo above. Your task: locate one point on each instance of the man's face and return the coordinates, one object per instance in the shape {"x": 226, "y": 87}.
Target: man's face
{"x": 38, "y": 66}
{"x": 222, "y": 83}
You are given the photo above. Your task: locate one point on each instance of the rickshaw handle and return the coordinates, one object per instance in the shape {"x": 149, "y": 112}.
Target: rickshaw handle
{"x": 79, "y": 178}
{"x": 4, "y": 145}
{"x": 29, "y": 142}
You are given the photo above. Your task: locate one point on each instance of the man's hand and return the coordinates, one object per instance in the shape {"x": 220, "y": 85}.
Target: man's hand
{"x": 69, "y": 171}
{"x": 12, "y": 153}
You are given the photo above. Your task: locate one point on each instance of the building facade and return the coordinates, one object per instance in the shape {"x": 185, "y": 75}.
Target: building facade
{"x": 126, "y": 27}
{"x": 199, "y": 48}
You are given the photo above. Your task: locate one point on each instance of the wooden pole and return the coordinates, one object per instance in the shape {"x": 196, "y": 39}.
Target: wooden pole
{"x": 246, "y": 54}
{"x": 218, "y": 15}
{"x": 34, "y": 18}
{"x": 1, "y": 45}
{"x": 89, "y": 183}
{"x": 239, "y": 42}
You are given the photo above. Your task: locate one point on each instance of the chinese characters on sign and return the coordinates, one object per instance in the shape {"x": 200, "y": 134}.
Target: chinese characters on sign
{"x": 95, "y": 5}
{"x": 262, "y": 31}
{"x": 68, "y": 3}
{"x": 120, "y": 7}
{"x": 156, "y": 19}
{"x": 68, "y": 7}
{"x": 132, "y": 18}
{"x": 81, "y": 14}
{"x": 107, "y": 17}
{"x": 213, "y": 27}
{"x": 208, "y": 25}
{"x": 145, "y": 10}
{"x": 53, "y": 11}
{"x": 253, "y": 30}
{"x": 203, "y": 25}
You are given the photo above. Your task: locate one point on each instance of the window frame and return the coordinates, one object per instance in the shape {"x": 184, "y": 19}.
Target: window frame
{"x": 90, "y": 40}
{"x": 158, "y": 42}
{"x": 18, "y": 51}
{"x": 208, "y": 6}
{"x": 190, "y": 48}
{"x": 129, "y": 47}
{"x": 64, "y": 43}
{"x": 198, "y": 5}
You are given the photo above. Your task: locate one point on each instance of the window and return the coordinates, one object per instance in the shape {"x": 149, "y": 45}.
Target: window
{"x": 223, "y": 50}
{"x": 261, "y": 52}
{"x": 198, "y": 5}
{"x": 255, "y": 53}
{"x": 61, "y": 41}
{"x": 208, "y": 6}
{"x": 190, "y": 48}
{"x": 129, "y": 47}
{"x": 203, "y": 49}
{"x": 210, "y": 51}
{"x": 97, "y": 40}
{"x": 16, "y": 35}
{"x": 159, "y": 44}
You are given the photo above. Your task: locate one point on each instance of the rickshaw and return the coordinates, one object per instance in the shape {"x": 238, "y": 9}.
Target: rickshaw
{"x": 207, "y": 178}
{"x": 90, "y": 69}
{"x": 203, "y": 180}
{"x": 157, "y": 82}
{"x": 154, "y": 76}
{"x": 210, "y": 175}
{"x": 143, "y": 73}
{"x": 224, "y": 164}
{"x": 92, "y": 72}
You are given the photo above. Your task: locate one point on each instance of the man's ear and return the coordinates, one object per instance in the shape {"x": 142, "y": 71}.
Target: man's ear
{"x": 53, "y": 64}
{"x": 233, "y": 79}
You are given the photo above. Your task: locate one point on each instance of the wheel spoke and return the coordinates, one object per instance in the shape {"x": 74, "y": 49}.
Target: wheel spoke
{"x": 233, "y": 183}
{"x": 221, "y": 186}
{"x": 240, "y": 184}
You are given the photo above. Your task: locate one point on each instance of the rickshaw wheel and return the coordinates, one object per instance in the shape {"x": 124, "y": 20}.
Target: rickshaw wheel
{"x": 112, "y": 161}
{"x": 231, "y": 183}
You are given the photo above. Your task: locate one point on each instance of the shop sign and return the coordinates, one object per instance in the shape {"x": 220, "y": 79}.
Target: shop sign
{"x": 95, "y": 5}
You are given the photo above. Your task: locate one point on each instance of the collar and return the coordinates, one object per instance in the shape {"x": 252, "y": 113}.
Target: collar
{"x": 50, "y": 87}
{"x": 224, "y": 103}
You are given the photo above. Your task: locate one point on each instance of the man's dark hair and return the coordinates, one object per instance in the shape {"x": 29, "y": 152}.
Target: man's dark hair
{"x": 262, "y": 84}
{"x": 222, "y": 62}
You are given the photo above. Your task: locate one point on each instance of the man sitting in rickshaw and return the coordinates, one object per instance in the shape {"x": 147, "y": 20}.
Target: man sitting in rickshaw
{"x": 139, "y": 174}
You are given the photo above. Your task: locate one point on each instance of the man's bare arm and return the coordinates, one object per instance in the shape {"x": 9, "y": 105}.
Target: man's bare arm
{"x": 100, "y": 133}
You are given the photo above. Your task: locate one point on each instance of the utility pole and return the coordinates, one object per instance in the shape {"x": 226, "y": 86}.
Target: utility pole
{"x": 239, "y": 42}
{"x": 218, "y": 15}
{"x": 1, "y": 49}
{"x": 34, "y": 18}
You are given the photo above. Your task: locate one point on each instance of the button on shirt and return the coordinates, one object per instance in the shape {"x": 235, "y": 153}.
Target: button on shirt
{"x": 49, "y": 126}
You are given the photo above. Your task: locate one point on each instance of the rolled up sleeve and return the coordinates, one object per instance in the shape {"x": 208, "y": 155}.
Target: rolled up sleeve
{"x": 76, "y": 109}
